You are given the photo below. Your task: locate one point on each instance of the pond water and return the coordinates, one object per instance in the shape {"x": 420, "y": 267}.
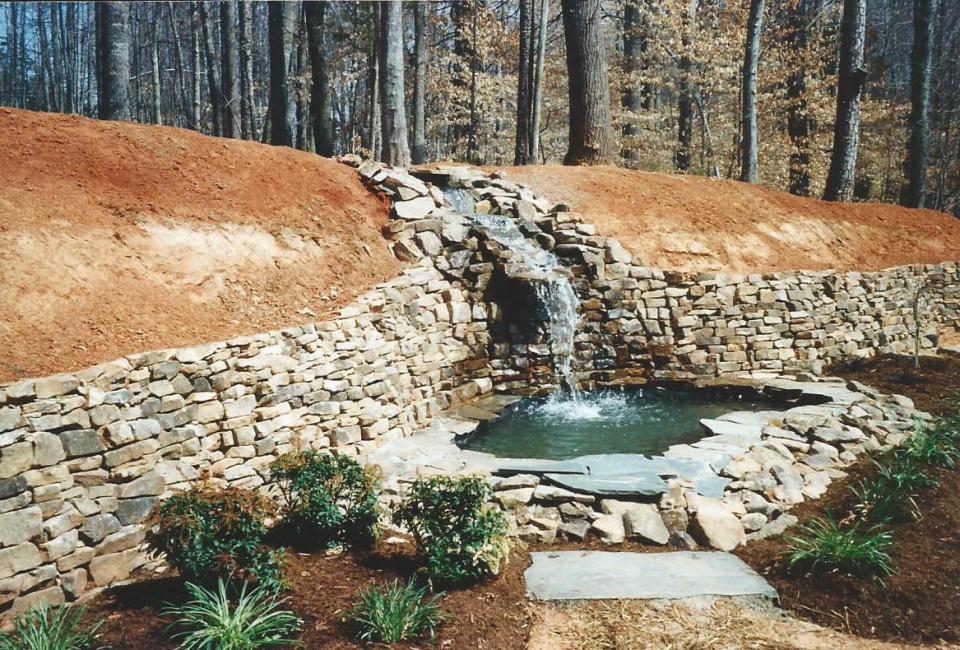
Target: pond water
{"x": 636, "y": 421}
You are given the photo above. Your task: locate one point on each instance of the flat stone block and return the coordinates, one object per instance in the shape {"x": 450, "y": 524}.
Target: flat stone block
{"x": 599, "y": 575}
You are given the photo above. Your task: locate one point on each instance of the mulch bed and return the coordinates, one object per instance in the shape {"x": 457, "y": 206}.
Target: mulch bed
{"x": 920, "y": 603}
{"x": 493, "y": 615}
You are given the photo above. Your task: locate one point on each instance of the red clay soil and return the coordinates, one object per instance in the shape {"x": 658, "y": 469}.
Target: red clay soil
{"x": 117, "y": 238}
{"x": 698, "y": 224}
{"x": 493, "y": 615}
{"x": 920, "y": 602}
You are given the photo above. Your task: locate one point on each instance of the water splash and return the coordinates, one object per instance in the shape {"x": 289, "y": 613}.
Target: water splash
{"x": 554, "y": 291}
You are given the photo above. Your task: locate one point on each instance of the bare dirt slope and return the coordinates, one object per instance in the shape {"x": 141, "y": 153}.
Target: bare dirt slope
{"x": 117, "y": 238}
{"x": 698, "y": 224}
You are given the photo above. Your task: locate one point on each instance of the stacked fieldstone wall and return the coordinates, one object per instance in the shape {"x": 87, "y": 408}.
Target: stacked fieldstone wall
{"x": 85, "y": 456}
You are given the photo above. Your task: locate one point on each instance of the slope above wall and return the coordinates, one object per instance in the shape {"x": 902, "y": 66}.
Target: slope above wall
{"x": 691, "y": 223}
{"x": 116, "y": 238}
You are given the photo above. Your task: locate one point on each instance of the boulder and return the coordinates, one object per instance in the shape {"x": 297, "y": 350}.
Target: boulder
{"x": 714, "y": 525}
{"x": 643, "y": 522}
{"x": 609, "y": 528}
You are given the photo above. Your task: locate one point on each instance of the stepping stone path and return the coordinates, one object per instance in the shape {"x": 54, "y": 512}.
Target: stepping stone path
{"x": 598, "y": 575}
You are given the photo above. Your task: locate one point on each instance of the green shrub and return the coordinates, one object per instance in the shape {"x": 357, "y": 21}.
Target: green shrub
{"x": 826, "y": 545}
{"x": 210, "y": 533}
{"x": 400, "y": 612}
{"x": 891, "y": 494}
{"x": 329, "y": 499}
{"x": 461, "y": 540}
{"x": 51, "y": 628}
{"x": 210, "y": 621}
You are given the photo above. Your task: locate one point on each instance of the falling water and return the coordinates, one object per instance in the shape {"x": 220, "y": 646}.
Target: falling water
{"x": 555, "y": 293}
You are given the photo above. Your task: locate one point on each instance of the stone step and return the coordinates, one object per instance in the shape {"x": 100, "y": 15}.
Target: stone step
{"x": 600, "y": 575}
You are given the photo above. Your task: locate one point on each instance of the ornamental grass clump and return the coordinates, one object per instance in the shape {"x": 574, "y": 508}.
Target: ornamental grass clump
{"x": 399, "y": 612}
{"x": 329, "y": 500}
{"x": 210, "y": 533}
{"x": 52, "y": 628}
{"x": 461, "y": 539}
{"x": 212, "y": 620}
{"x": 891, "y": 495}
{"x": 826, "y": 545}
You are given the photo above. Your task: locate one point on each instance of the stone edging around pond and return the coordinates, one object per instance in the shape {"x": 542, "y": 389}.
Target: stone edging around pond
{"x": 735, "y": 485}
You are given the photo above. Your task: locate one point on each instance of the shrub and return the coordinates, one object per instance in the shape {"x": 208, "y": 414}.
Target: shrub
{"x": 210, "y": 621}
{"x": 827, "y": 545}
{"x": 892, "y": 493}
{"x": 209, "y": 533}
{"x": 329, "y": 499}
{"x": 51, "y": 628}
{"x": 460, "y": 539}
{"x": 398, "y": 613}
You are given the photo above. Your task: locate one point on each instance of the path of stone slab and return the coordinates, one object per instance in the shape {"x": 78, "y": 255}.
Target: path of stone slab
{"x": 599, "y": 575}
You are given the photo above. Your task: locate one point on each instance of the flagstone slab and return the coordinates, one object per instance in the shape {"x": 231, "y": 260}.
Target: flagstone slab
{"x": 599, "y": 575}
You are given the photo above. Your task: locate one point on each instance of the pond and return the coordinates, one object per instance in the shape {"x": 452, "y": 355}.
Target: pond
{"x": 637, "y": 421}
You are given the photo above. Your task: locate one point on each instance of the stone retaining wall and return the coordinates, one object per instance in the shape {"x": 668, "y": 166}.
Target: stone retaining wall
{"x": 85, "y": 456}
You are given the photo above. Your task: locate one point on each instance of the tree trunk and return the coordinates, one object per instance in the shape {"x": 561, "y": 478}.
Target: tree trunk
{"x": 297, "y": 66}
{"x": 685, "y": 90}
{"x": 113, "y": 44}
{"x": 13, "y": 91}
{"x": 919, "y": 147}
{"x": 421, "y": 49}
{"x": 156, "y": 108}
{"x": 231, "y": 85}
{"x": 195, "y": 44}
{"x": 521, "y": 150}
{"x": 247, "y": 121}
{"x": 393, "y": 118}
{"x": 636, "y": 97}
{"x": 590, "y": 131}
{"x": 374, "y": 79}
{"x": 846, "y": 131}
{"x": 178, "y": 52}
{"x": 280, "y": 131}
{"x": 321, "y": 114}
{"x": 799, "y": 124}
{"x": 213, "y": 76}
{"x": 537, "y": 99}
{"x": 749, "y": 141}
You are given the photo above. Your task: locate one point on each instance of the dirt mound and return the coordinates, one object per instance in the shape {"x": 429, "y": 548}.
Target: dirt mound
{"x": 117, "y": 238}
{"x": 698, "y": 224}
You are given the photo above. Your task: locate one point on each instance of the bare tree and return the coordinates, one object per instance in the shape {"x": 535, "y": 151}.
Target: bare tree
{"x": 799, "y": 123}
{"x": 521, "y": 155}
{"x": 421, "y": 51}
{"x": 231, "y": 81}
{"x": 321, "y": 116}
{"x": 751, "y": 62}
{"x": 919, "y": 148}
{"x": 247, "y": 121}
{"x": 113, "y": 45}
{"x": 537, "y": 99}
{"x": 846, "y": 130}
{"x": 685, "y": 90}
{"x": 590, "y": 130}
{"x": 393, "y": 118}
{"x": 636, "y": 97}
{"x": 281, "y": 132}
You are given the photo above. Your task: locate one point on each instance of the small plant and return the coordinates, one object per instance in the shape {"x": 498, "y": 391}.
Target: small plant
{"x": 935, "y": 445}
{"x": 209, "y": 533}
{"x": 827, "y": 545}
{"x": 460, "y": 538}
{"x": 329, "y": 499}
{"x": 210, "y": 621}
{"x": 892, "y": 493}
{"x": 51, "y": 628}
{"x": 400, "y": 612}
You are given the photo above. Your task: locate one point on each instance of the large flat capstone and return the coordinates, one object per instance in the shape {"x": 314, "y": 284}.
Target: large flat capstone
{"x": 598, "y": 575}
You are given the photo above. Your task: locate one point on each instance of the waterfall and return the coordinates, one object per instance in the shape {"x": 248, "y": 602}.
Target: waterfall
{"x": 551, "y": 283}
